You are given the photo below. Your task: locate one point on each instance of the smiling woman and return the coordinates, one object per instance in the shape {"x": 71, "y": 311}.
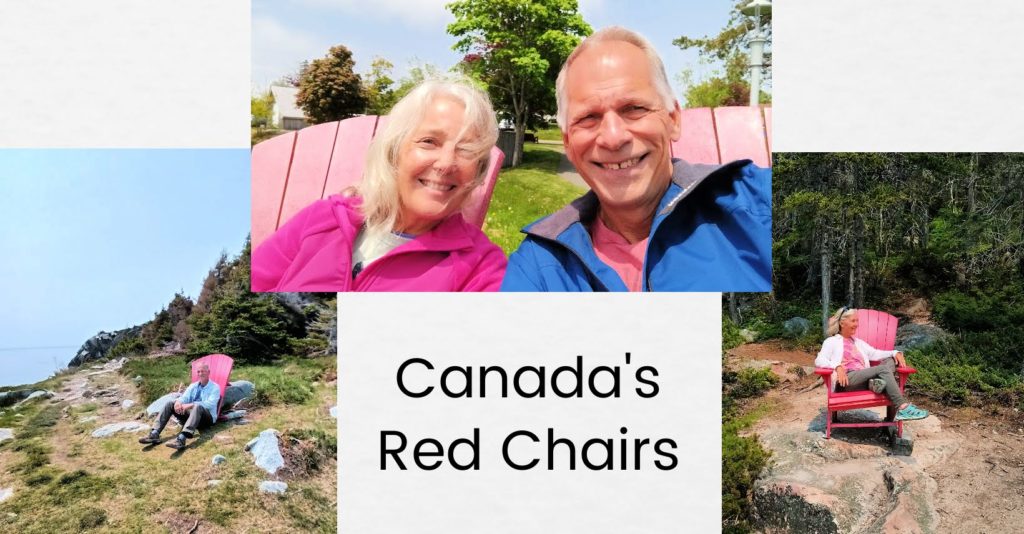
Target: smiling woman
{"x": 400, "y": 229}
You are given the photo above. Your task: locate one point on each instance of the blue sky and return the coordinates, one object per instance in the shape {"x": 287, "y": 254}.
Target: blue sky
{"x": 286, "y": 32}
{"x": 102, "y": 239}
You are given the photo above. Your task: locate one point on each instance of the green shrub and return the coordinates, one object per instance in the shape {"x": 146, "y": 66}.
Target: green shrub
{"x": 750, "y": 382}
{"x": 132, "y": 346}
{"x": 730, "y": 334}
{"x": 159, "y": 375}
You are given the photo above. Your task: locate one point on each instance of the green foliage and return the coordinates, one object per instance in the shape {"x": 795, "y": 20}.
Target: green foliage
{"x": 749, "y": 382}
{"x": 329, "y": 89}
{"x": 516, "y": 47}
{"x": 730, "y": 334}
{"x": 377, "y": 87}
{"x": 261, "y": 109}
{"x": 958, "y": 370}
{"x": 132, "y": 346}
{"x": 159, "y": 375}
{"x": 525, "y": 194}
{"x": 743, "y": 458}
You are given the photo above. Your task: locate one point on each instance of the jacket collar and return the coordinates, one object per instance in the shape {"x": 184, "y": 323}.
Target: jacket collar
{"x": 453, "y": 233}
{"x": 685, "y": 179}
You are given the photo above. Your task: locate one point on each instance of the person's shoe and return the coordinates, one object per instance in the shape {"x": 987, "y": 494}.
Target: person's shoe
{"x": 178, "y": 443}
{"x": 911, "y": 413}
{"x": 153, "y": 437}
{"x": 876, "y": 385}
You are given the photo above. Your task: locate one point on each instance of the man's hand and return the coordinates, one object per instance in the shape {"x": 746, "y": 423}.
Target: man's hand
{"x": 179, "y": 408}
{"x": 841, "y": 378}
{"x": 900, "y": 360}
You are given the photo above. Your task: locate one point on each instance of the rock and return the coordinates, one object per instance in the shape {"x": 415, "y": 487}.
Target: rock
{"x": 266, "y": 452}
{"x": 334, "y": 412}
{"x": 213, "y": 483}
{"x": 113, "y": 428}
{"x": 98, "y": 346}
{"x": 6, "y": 434}
{"x": 233, "y": 414}
{"x": 748, "y": 335}
{"x": 137, "y": 380}
{"x": 37, "y": 394}
{"x": 88, "y": 419}
{"x": 796, "y": 327}
{"x": 6, "y": 493}
{"x": 127, "y": 403}
{"x": 242, "y": 421}
{"x": 157, "y": 406}
{"x": 219, "y": 459}
{"x": 273, "y": 486}
{"x": 915, "y": 336}
{"x": 238, "y": 391}
{"x": 8, "y": 398}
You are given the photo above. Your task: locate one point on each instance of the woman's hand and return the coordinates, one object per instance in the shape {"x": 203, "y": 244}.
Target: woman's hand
{"x": 900, "y": 360}
{"x": 841, "y": 378}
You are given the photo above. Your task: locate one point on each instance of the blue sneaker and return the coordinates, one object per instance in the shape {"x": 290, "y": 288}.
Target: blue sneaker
{"x": 911, "y": 413}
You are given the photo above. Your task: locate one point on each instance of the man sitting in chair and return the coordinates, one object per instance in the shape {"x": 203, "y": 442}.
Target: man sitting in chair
{"x": 195, "y": 409}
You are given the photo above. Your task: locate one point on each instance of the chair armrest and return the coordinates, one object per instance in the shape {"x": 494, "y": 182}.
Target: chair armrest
{"x": 823, "y": 371}
{"x": 906, "y": 370}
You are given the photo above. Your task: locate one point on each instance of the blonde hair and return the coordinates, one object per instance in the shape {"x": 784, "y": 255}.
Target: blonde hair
{"x": 615, "y": 34}
{"x": 841, "y": 313}
{"x": 381, "y": 205}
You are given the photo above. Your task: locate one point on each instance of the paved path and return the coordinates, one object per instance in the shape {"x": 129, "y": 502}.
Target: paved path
{"x": 566, "y": 170}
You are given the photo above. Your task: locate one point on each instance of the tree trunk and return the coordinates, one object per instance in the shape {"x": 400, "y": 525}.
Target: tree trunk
{"x": 734, "y": 312}
{"x": 826, "y": 286}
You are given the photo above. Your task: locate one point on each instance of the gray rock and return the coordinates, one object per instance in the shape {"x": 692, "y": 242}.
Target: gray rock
{"x": 233, "y": 415}
{"x": 219, "y": 459}
{"x": 796, "y": 327}
{"x": 113, "y": 428}
{"x": 915, "y": 336}
{"x": 98, "y": 346}
{"x": 242, "y": 421}
{"x": 334, "y": 412}
{"x": 273, "y": 486}
{"x": 6, "y": 434}
{"x": 237, "y": 391}
{"x": 266, "y": 452}
{"x": 157, "y": 406}
{"x": 8, "y": 398}
{"x": 6, "y": 493}
{"x": 127, "y": 403}
{"x": 137, "y": 379}
{"x": 213, "y": 483}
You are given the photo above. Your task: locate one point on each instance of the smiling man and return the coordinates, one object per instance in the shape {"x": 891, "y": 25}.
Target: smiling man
{"x": 195, "y": 409}
{"x": 649, "y": 222}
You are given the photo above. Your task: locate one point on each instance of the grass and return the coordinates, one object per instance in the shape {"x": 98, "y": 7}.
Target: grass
{"x": 550, "y": 134}
{"x": 526, "y": 193}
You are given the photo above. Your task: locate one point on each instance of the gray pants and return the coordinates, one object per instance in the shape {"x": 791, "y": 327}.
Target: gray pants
{"x": 196, "y": 418}
{"x": 858, "y": 380}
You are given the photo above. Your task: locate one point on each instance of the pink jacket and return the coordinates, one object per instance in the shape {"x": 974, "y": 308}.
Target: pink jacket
{"x": 312, "y": 252}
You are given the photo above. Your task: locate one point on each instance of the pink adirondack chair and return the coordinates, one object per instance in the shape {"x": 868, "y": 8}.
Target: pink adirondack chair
{"x": 220, "y": 370}
{"x": 721, "y": 135}
{"x": 293, "y": 170}
{"x": 878, "y": 329}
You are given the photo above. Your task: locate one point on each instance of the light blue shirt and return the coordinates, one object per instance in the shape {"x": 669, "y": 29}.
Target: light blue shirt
{"x": 208, "y": 397}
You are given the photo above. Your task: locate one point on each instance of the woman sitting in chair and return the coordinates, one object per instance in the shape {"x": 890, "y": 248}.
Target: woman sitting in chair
{"x": 400, "y": 229}
{"x": 850, "y": 357}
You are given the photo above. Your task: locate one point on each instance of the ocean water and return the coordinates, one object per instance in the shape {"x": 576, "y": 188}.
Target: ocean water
{"x": 28, "y": 366}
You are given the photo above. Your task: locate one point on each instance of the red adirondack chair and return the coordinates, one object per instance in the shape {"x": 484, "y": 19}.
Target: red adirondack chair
{"x": 292, "y": 170}
{"x": 878, "y": 329}
{"x": 220, "y": 370}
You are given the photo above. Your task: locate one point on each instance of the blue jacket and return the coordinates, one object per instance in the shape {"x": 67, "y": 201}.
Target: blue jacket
{"x": 208, "y": 397}
{"x": 712, "y": 232}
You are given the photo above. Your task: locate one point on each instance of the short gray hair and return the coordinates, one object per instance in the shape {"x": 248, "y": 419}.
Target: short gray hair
{"x": 612, "y": 34}
{"x": 379, "y": 187}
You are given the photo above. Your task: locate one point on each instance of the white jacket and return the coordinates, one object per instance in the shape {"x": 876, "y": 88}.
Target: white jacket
{"x": 831, "y": 353}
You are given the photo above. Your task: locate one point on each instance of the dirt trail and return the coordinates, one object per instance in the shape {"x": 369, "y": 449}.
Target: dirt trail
{"x": 968, "y": 464}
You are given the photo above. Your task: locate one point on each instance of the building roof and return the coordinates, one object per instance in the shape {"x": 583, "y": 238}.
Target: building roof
{"x": 284, "y": 100}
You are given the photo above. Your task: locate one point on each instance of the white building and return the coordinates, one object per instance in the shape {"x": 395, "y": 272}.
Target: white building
{"x": 287, "y": 115}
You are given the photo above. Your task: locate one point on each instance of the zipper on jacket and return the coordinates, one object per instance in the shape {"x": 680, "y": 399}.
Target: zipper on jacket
{"x": 590, "y": 273}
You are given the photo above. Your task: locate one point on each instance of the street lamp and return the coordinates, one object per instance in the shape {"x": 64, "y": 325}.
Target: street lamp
{"x": 756, "y": 8}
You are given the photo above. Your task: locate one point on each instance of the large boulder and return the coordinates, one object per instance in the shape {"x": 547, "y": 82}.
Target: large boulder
{"x": 6, "y": 434}
{"x": 916, "y": 336}
{"x": 238, "y": 390}
{"x": 8, "y": 398}
{"x": 99, "y": 345}
{"x": 796, "y": 327}
{"x": 106, "y": 431}
{"x": 265, "y": 451}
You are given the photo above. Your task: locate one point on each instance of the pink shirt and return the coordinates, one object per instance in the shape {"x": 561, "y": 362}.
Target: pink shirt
{"x": 627, "y": 259}
{"x": 852, "y": 359}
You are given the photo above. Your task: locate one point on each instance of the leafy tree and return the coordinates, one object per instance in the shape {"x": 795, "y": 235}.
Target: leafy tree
{"x": 516, "y": 47}
{"x": 377, "y": 86}
{"x": 730, "y": 48}
{"x": 262, "y": 109}
{"x": 329, "y": 89}
{"x": 417, "y": 74}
